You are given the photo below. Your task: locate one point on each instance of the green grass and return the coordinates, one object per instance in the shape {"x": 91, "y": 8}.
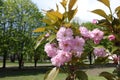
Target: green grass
{"x": 32, "y": 77}
{"x": 15, "y": 64}
{"x": 93, "y": 74}
{"x": 41, "y": 77}
{"x": 60, "y": 76}
{"x": 39, "y": 72}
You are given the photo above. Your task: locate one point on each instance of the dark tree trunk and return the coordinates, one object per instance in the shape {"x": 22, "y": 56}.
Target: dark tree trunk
{"x": 12, "y": 58}
{"x": 35, "y": 59}
{"x": 4, "y": 59}
{"x": 20, "y": 60}
{"x": 90, "y": 58}
{"x": 5, "y": 51}
{"x": 35, "y": 62}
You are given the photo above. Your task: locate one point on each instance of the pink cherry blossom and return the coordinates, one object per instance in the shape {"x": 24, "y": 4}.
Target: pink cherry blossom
{"x": 61, "y": 58}
{"x": 84, "y": 32}
{"x": 66, "y": 56}
{"x": 78, "y": 44}
{"x": 111, "y": 37}
{"x": 100, "y": 52}
{"x": 65, "y": 45}
{"x": 56, "y": 61}
{"x": 96, "y": 35}
{"x": 50, "y": 49}
{"x": 64, "y": 34}
{"x": 94, "y": 21}
{"x": 47, "y": 35}
{"x": 96, "y": 41}
{"x": 114, "y": 57}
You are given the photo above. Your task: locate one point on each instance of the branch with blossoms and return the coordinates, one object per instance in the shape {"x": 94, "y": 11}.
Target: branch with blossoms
{"x": 67, "y": 49}
{"x": 110, "y": 22}
{"x": 68, "y": 46}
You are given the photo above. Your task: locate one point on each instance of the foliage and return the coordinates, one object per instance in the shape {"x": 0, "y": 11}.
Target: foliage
{"x": 111, "y": 21}
{"x": 53, "y": 73}
{"x": 19, "y": 18}
{"x": 54, "y": 19}
{"x": 62, "y": 46}
{"x": 111, "y": 25}
{"x": 90, "y": 25}
{"x": 112, "y": 76}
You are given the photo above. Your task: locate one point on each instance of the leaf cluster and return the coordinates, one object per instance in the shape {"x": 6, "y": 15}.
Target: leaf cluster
{"x": 111, "y": 21}
{"x": 54, "y": 19}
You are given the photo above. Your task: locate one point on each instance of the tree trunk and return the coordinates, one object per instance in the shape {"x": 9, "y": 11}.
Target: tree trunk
{"x": 20, "y": 60}
{"x": 12, "y": 58}
{"x": 90, "y": 58}
{"x": 35, "y": 59}
{"x": 4, "y": 59}
{"x": 35, "y": 62}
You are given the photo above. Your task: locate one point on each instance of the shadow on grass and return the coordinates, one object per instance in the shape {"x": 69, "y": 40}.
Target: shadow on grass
{"x": 26, "y": 71}
{"x": 14, "y": 71}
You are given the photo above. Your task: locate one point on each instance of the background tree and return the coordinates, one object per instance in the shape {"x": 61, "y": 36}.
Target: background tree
{"x": 20, "y": 18}
{"x": 1, "y": 4}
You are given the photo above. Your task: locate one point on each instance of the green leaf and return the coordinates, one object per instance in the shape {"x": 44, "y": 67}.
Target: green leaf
{"x": 101, "y": 60}
{"x": 64, "y": 3}
{"x": 39, "y": 40}
{"x": 71, "y": 4}
{"x": 57, "y": 7}
{"x": 72, "y": 13}
{"x": 40, "y": 29}
{"x": 49, "y": 28}
{"x": 81, "y": 75}
{"x": 101, "y": 13}
{"x": 107, "y": 75}
{"x": 51, "y": 38}
{"x": 67, "y": 25}
{"x": 117, "y": 38}
{"x": 54, "y": 14}
{"x": 38, "y": 43}
{"x": 99, "y": 46}
{"x": 105, "y": 2}
{"x": 105, "y": 23}
{"x": 114, "y": 48}
{"x": 47, "y": 21}
{"x": 51, "y": 16}
{"x": 58, "y": 14}
{"x": 117, "y": 8}
{"x": 52, "y": 74}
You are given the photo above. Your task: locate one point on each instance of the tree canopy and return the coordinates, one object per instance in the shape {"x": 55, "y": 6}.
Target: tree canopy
{"x": 18, "y": 20}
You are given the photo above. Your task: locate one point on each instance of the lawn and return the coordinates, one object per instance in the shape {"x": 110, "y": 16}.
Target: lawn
{"x": 30, "y": 73}
{"x": 15, "y": 64}
{"x": 39, "y": 73}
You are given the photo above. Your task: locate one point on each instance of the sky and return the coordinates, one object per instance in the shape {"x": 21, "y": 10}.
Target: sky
{"x": 84, "y": 7}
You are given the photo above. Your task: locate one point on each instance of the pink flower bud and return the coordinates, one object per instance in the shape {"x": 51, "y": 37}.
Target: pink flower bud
{"x": 47, "y": 35}
{"x": 94, "y": 21}
{"x": 111, "y": 37}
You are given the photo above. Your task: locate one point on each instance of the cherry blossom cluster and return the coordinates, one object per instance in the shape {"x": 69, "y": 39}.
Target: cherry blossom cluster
{"x": 95, "y": 34}
{"x": 69, "y": 45}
